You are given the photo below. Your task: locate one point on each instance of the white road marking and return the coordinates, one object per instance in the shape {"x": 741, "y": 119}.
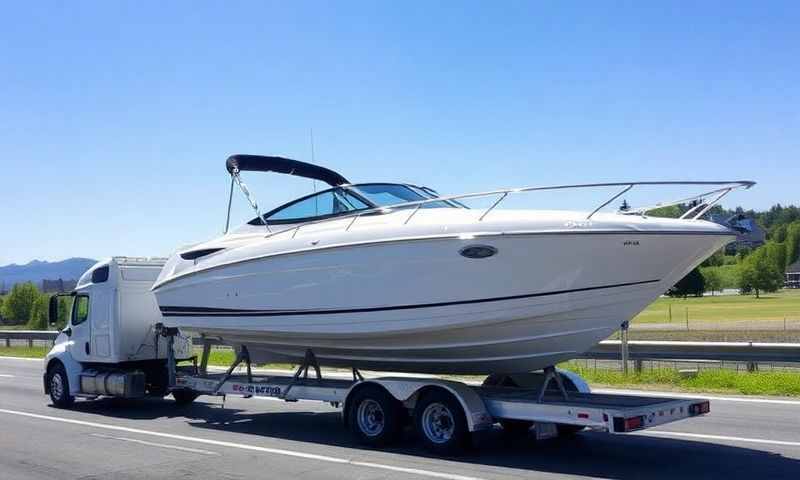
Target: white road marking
{"x": 697, "y": 395}
{"x": 153, "y": 444}
{"x": 241, "y": 446}
{"x": 5, "y": 375}
{"x": 22, "y": 358}
{"x": 722, "y": 437}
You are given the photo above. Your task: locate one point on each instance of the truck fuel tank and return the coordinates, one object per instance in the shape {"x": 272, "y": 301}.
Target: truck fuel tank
{"x": 115, "y": 384}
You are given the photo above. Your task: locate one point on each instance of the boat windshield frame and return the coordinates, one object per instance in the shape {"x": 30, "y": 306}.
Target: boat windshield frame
{"x": 352, "y": 189}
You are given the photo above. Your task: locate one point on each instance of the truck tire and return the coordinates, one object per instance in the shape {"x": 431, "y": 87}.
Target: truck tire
{"x": 184, "y": 397}
{"x": 58, "y": 387}
{"x": 374, "y": 417}
{"x": 441, "y": 423}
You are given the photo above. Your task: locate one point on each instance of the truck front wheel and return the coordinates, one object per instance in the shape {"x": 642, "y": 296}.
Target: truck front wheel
{"x": 58, "y": 386}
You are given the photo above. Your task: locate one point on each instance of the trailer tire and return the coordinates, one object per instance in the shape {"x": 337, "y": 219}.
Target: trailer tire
{"x": 184, "y": 397}
{"x": 441, "y": 423}
{"x": 374, "y": 417}
{"x": 566, "y": 430}
{"x": 58, "y": 387}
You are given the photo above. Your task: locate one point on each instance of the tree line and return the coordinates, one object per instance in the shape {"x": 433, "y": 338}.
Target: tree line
{"x": 26, "y": 305}
{"x": 751, "y": 271}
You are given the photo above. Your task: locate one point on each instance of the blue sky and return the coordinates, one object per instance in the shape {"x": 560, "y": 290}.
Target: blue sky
{"x": 116, "y": 117}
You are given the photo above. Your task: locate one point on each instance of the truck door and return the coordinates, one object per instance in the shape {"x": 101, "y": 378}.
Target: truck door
{"x": 100, "y": 322}
{"x": 79, "y": 329}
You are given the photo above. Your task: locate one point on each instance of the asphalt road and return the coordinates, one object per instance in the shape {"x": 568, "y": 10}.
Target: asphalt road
{"x": 741, "y": 438}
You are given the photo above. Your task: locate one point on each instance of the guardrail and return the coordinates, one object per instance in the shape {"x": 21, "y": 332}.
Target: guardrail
{"x": 746, "y": 352}
{"x": 637, "y": 350}
{"x": 29, "y": 335}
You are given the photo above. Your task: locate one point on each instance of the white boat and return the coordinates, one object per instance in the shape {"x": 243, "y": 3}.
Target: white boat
{"x": 393, "y": 277}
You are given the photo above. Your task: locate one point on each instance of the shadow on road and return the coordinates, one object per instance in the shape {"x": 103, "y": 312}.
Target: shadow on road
{"x": 586, "y": 454}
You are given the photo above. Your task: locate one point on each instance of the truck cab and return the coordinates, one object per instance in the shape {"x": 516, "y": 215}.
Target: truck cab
{"x": 110, "y": 344}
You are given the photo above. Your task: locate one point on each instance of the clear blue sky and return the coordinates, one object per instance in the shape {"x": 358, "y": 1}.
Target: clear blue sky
{"x": 116, "y": 117}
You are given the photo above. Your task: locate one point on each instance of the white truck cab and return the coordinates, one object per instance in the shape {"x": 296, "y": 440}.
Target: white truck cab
{"x": 110, "y": 345}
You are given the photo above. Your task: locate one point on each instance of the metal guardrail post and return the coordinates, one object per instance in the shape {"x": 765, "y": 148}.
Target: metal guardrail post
{"x": 8, "y": 342}
{"x": 624, "y": 347}
{"x": 637, "y": 366}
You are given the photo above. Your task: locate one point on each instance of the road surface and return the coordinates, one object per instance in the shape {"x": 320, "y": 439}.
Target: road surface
{"x": 248, "y": 439}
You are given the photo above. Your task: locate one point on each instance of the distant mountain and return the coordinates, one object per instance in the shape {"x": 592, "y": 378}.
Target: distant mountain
{"x": 36, "y": 271}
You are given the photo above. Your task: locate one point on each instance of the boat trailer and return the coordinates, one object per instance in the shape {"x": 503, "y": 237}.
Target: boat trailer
{"x": 445, "y": 412}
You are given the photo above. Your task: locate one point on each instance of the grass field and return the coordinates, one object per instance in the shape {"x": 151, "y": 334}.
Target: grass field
{"x": 25, "y": 352}
{"x": 721, "y": 308}
{"x": 707, "y": 381}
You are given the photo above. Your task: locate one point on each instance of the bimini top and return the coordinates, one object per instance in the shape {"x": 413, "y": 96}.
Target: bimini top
{"x": 288, "y": 166}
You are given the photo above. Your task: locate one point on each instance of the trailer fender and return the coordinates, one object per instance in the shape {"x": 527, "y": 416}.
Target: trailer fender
{"x": 577, "y": 381}
{"x": 406, "y": 390}
{"x": 73, "y": 368}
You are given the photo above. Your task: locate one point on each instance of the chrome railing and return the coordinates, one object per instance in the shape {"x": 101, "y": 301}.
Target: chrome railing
{"x": 698, "y": 206}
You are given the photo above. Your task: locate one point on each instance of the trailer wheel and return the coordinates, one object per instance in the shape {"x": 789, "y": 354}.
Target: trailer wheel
{"x": 515, "y": 428}
{"x": 441, "y": 423}
{"x": 184, "y": 397}
{"x": 58, "y": 387}
{"x": 566, "y": 430}
{"x": 374, "y": 416}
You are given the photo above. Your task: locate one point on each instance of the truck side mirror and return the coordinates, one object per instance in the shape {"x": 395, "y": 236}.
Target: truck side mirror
{"x": 53, "y": 313}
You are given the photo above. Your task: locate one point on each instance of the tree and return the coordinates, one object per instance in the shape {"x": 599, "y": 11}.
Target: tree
{"x": 776, "y": 252}
{"x": 692, "y": 284}
{"x": 672, "y": 211}
{"x": 715, "y": 260}
{"x": 713, "y": 280}
{"x": 792, "y": 243}
{"x": 758, "y": 273}
{"x": 18, "y": 304}
{"x": 64, "y": 304}
{"x": 39, "y": 313}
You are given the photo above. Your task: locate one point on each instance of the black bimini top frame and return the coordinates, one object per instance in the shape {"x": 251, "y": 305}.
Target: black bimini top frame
{"x": 259, "y": 163}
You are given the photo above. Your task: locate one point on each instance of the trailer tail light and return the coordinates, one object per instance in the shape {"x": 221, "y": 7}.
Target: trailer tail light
{"x": 622, "y": 424}
{"x": 633, "y": 423}
{"x": 699, "y": 408}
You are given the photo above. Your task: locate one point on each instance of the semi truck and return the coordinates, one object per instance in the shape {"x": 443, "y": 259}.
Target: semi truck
{"x": 115, "y": 344}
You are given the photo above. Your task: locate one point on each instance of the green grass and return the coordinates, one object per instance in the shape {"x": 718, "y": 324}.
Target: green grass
{"x": 773, "y": 306}
{"x": 707, "y": 381}
{"x": 22, "y": 351}
{"x": 223, "y": 357}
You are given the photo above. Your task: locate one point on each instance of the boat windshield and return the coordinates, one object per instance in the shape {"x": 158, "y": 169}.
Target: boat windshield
{"x": 340, "y": 201}
{"x": 386, "y": 194}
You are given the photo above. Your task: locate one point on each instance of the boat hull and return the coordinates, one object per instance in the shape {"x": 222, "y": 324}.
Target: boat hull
{"x": 418, "y": 305}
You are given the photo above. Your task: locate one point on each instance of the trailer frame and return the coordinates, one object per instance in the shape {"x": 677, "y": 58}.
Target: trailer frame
{"x": 530, "y": 399}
